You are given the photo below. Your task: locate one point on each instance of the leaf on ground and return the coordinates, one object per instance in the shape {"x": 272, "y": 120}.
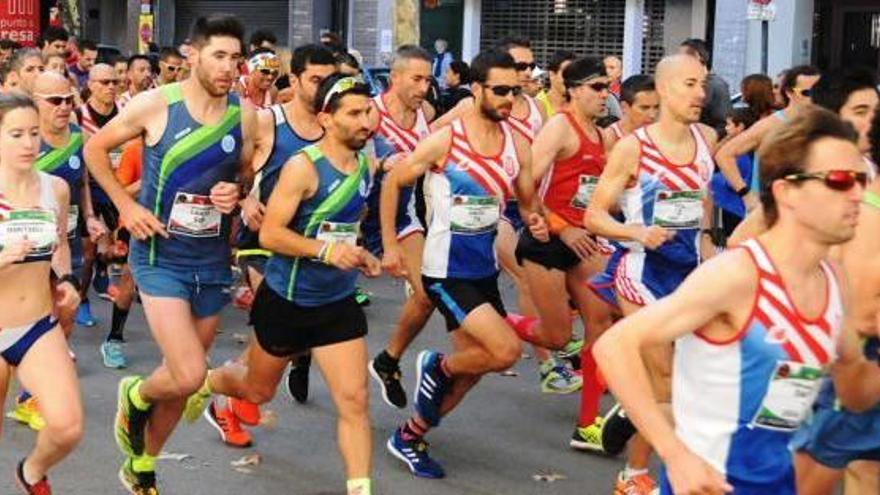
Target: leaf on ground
{"x": 240, "y": 338}
{"x": 173, "y": 456}
{"x": 509, "y": 373}
{"x": 244, "y": 470}
{"x": 268, "y": 419}
{"x": 548, "y": 477}
{"x": 248, "y": 460}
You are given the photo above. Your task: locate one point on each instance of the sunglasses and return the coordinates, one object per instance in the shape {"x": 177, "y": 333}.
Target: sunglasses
{"x": 598, "y": 86}
{"x": 503, "y": 90}
{"x": 107, "y": 82}
{"x": 269, "y": 72}
{"x": 521, "y": 66}
{"x": 342, "y": 86}
{"x": 805, "y": 92}
{"x": 172, "y": 68}
{"x": 838, "y": 180}
{"x": 56, "y": 100}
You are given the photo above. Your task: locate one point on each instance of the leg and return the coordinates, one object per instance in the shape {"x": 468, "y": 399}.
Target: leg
{"x": 497, "y": 347}
{"x": 554, "y": 330}
{"x": 254, "y": 378}
{"x": 417, "y": 308}
{"x": 814, "y": 478}
{"x": 862, "y": 477}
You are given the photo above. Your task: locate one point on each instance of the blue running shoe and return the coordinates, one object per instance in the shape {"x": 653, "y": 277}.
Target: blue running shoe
{"x": 414, "y": 454}
{"x": 430, "y": 387}
{"x": 84, "y": 316}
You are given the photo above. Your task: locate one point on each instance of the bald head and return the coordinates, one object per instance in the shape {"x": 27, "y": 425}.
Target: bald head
{"x": 680, "y": 81}
{"x": 52, "y": 83}
{"x": 678, "y": 66}
{"x": 101, "y": 71}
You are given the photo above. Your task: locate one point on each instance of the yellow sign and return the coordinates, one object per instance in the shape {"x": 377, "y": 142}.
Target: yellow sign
{"x": 145, "y": 33}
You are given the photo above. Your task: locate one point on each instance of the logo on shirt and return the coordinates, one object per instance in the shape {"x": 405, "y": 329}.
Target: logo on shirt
{"x": 227, "y": 144}
{"x": 509, "y": 166}
{"x": 75, "y": 163}
{"x": 363, "y": 188}
{"x": 776, "y": 335}
{"x": 333, "y": 186}
{"x": 182, "y": 133}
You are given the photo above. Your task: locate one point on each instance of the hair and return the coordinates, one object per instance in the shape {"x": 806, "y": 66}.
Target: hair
{"x": 54, "y": 55}
{"x": 84, "y": 45}
{"x": 261, "y": 36}
{"x": 5, "y": 69}
{"x": 7, "y": 44}
{"x": 558, "y": 58}
{"x": 336, "y": 100}
{"x": 757, "y": 93}
{"x": 311, "y": 54}
{"x": 701, "y": 48}
{"x": 835, "y": 87}
{"x": 169, "y": 52}
{"x": 13, "y": 101}
{"x": 346, "y": 59}
{"x": 633, "y": 85}
{"x": 52, "y": 34}
{"x": 742, "y": 116}
{"x": 874, "y": 138}
{"x": 582, "y": 68}
{"x": 216, "y": 25}
{"x": 488, "y": 60}
{"x": 789, "y": 80}
{"x": 334, "y": 44}
{"x": 137, "y": 56}
{"x": 118, "y": 58}
{"x": 410, "y": 52}
{"x": 461, "y": 68}
{"x": 514, "y": 41}
{"x": 785, "y": 150}
{"x": 23, "y": 54}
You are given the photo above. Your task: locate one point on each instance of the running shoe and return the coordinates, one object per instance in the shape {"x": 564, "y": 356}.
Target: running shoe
{"x": 572, "y": 353}
{"x": 196, "y": 403}
{"x": 226, "y": 423}
{"x": 246, "y": 412}
{"x": 113, "y": 354}
{"x": 39, "y": 488}
{"x": 430, "y": 387}
{"x": 131, "y": 422}
{"x": 559, "y": 380}
{"x": 388, "y": 378}
{"x": 640, "y": 484}
{"x": 414, "y": 453}
{"x": 588, "y": 438}
{"x": 298, "y": 378}
{"x": 84, "y": 316}
{"x": 27, "y": 412}
{"x": 617, "y": 429}
{"x": 137, "y": 483}
{"x": 244, "y": 298}
{"x": 361, "y": 296}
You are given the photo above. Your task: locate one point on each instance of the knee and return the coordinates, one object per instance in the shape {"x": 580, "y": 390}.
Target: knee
{"x": 421, "y": 300}
{"x": 189, "y": 379}
{"x": 65, "y": 432}
{"x": 557, "y": 341}
{"x": 506, "y": 354}
{"x": 353, "y": 403}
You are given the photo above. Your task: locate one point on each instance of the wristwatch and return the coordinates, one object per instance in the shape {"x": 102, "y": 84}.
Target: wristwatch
{"x": 69, "y": 278}
{"x": 743, "y": 191}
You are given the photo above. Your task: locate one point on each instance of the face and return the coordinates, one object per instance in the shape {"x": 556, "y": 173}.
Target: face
{"x": 139, "y": 74}
{"x": 33, "y": 67}
{"x": 452, "y": 79}
{"x": 440, "y": 46}
{"x": 525, "y": 63}
{"x": 306, "y": 84}
{"x": 121, "y": 71}
{"x": 87, "y": 59}
{"x": 12, "y": 82}
{"x": 802, "y": 84}
{"x": 732, "y": 128}
{"x": 55, "y": 102}
{"x": 103, "y": 86}
{"x": 19, "y": 138}
{"x": 613, "y": 68}
{"x": 859, "y": 111}
{"x": 683, "y": 92}
{"x": 169, "y": 68}
{"x": 216, "y": 64}
{"x": 263, "y": 78}
{"x": 644, "y": 109}
{"x": 56, "y": 64}
{"x": 494, "y": 106}
{"x": 57, "y": 47}
{"x": 350, "y": 123}
{"x": 411, "y": 80}
{"x": 590, "y": 97}
{"x": 5, "y": 55}
{"x": 557, "y": 84}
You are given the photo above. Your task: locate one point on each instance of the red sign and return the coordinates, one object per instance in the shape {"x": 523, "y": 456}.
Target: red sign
{"x": 20, "y": 21}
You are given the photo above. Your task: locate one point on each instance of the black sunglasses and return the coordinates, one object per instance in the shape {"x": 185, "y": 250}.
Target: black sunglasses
{"x": 521, "y": 66}
{"x": 269, "y": 72}
{"x": 838, "y": 180}
{"x": 56, "y": 101}
{"x": 598, "y": 86}
{"x": 504, "y": 90}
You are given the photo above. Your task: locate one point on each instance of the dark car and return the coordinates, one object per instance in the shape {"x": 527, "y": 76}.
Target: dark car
{"x": 107, "y": 54}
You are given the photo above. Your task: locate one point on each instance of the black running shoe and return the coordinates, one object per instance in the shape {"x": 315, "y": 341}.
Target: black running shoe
{"x": 388, "y": 378}
{"x": 617, "y": 429}
{"x": 298, "y": 378}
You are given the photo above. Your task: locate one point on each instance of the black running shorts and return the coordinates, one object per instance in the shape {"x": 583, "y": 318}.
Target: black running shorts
{"x": 457, "y": 297}
{"x": 553, "y": 254}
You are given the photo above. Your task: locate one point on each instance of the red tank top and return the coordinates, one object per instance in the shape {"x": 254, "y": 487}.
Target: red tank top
{"x": 567, "y": 188}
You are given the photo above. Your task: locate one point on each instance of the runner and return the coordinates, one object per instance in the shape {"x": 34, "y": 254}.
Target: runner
{"x": 195, "y": 135}
{"x": 33, "y": 225}
{"x": 659, "y": 177}
{"x": 27, "y": 63}
{"x": 745, "y": 381}
{"x": 553, "y": 100}
{"x": 796, "y": 88}
{"x": 139, "y": 76}
{"x": 307, "y": 301}
{"x": 475, "y": 164}
{"x": 258, "y": 86}
{"x": 170, "y": 63}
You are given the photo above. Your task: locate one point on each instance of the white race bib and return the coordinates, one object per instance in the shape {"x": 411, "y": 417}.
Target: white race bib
{"x": 72, "y": 221}
{"x": 340, "y": 232}
{"x": 790, "y": 395}
{"x": 36, "y": 225}
{"x": 474, "y": 214}
{"x": 678, "y": 209}
{"x": 194, "y": 215}
{"x": 586, "y": 186}
{"x": 115, "y": 158}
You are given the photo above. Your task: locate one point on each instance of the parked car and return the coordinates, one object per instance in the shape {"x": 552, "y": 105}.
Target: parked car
{"x": 107, "y": 54}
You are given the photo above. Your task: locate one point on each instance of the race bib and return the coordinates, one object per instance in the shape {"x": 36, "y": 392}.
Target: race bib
{"x": 72, "y": 221}
{"x": 194, "y": 215}
{"x": 790, "y": 395}
{"x": 678, "y": 209}
{"x": 115, "y": 158}
{"x": 339, "y": 232}
{"x": 586, "y": 186}
{"x": 36, "y": 225}
{"x": 474, "y": 214}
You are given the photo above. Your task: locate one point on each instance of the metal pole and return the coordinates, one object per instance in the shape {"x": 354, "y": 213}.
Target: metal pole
{"x": 765, "y": 40}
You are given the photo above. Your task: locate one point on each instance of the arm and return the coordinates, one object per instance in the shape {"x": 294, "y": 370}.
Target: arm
{"x": 61, "y": 256}
{"x": 726, "y": 155}
{"x": 752, "y": 225}
{"x": 461, "y": 108}
{"x": 549, "y": 145}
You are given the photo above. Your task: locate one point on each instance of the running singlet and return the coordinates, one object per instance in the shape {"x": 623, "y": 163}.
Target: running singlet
{"x": 178, "y": 174}
{"x": 68, "y": 164}
{"x": 467, "y": 194}
{"x": 569, "y": 184}
{"x": 332, "y": 214}
{"x": 533, "y": 122}
{"x": 670, "y": 196}
{"x": 92, "y": 122}
{"x": 617, "y": 130}
{"x": 37, "y": 223}
{"x": 737, "y": 403}
{"x": 285, "y": 144}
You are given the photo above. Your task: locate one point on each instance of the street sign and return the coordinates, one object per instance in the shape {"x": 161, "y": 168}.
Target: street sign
{"x": 761, "y": 10}
{"x": 20, "y": 21}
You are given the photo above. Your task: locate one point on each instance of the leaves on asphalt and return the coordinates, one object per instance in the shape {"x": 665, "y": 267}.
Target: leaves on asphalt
{"x": 548, "y": 476}
{"x": 173, "y": 456}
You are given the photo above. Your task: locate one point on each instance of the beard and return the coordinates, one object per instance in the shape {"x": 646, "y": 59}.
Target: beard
{"x": 355, "y": 143}
{"x": 493, "y": 114}
{"x": 209, "y": 86}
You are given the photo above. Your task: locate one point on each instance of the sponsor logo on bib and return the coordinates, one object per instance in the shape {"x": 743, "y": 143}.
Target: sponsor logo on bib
{"x": 74, "y": 162}
{"x": 227, "y": 144}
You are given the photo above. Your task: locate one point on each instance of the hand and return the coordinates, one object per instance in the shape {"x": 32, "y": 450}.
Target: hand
{"x": 96, "y": 227}
{"x": 707, "y": 246}
{"x": 66, "y": 297}
{"x": 224, "y": 196}
{"x": 690, "y": 475}
{"x": 750, "y": 200}
{"x": 538, "y": 227}
{"x": 140, "y": 222}
{"x": 345, "y": 256}
{"x": 15, "y": 252}
{"x": 392, "y": 160}
{"x": 371, "y": 267}
{"x": 253, "y": 212}
{"x": 652, "y": 236}
{"x": 393, "y": 262}
{"x": 580, "y": 241}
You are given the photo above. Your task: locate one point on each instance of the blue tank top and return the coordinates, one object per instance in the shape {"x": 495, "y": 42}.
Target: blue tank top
{"x": 332, "y": 214}
{"x": 286, "y": 143}
{"x": 68, "y": 164}
{"x": 178, "y": 174}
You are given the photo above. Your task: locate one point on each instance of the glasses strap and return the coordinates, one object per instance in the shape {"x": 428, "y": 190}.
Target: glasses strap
{"x": 871, "y": 198}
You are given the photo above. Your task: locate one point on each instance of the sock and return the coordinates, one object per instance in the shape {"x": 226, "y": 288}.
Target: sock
{"x": 143, "y": 464}
{"x": 385, "y": 360}
{"x": 592, "y": 389}
{"x": 359, "y": 486}
{"x": 24, "y": 395}
{"x": 134, "y": 395}
{"x": 118, "y": 324}
{"x": 524, "y": 326}
{"x": 629, "y": 472}
{"x": 413, "y": 430}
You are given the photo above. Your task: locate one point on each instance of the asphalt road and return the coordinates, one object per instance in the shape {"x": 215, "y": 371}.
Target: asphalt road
{"x": 505, "y": 432}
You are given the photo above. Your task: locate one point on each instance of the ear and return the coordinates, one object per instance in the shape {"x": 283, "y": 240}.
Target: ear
{"x": 325, "y": 119}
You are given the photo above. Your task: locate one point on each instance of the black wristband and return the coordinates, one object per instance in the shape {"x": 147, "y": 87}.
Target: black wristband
{"x": 741, "y": 192}
{"x": 70, "y": 279}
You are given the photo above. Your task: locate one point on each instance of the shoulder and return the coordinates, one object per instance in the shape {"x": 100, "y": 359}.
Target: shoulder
{"x": 429, "y": 111}
{"x": 708, "y": 133}
{"x": 521, "y": 144}
{"x": 59, "y": 187}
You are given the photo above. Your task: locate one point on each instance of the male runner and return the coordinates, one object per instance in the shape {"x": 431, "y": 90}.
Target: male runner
{"x": 257, "y": 87}
{"x": 475, "y": 164}
{"x": 170, "y": 63}
{"x": 307, "y": 301}
{"x": 195, "y": 135}
{"x": 659, "y": 178}
{"x": 768, "y": 326}
{"x": 553, "y": 100}
{"x": 27, "y": 63}
{"x": 139, "y": 77}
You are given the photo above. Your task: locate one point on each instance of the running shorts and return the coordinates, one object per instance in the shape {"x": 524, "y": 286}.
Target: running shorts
{"x": 553, "y": 254}
{"x": 456, "y": 298}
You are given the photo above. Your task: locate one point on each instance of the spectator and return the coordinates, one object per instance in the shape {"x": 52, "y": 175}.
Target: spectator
{"x": 553, "y": 99}
{"x": 7, "y": 48}
{"x": 8, "y": 78}
{"x": 348, "y": 64}
{"x": 331, "y": 40}
{"x": 88, "y": 55}
{"x": 56, "y": 63}
{"x": 730, "y": 209}
{"x": 170, "y": 64}
{"x": 442, "y": 59}
{"x": 458, "y": 79}
{"x": 757, "y": 94}
{"x": 139, "y": 78}
{"x": 778, "y": 98}
{"x": 262, "y": 38}
{"x": 120, "y": 68}
{"x": 717, "y": 102}
{"x": 54, "y": 41}
{"x": 101, "y": 106}
{"x": 614, "y": 70}
{"x": 28, "y": 64}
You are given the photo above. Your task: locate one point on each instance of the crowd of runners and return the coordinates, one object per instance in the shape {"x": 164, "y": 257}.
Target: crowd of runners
{"x": 730, "y": 310}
